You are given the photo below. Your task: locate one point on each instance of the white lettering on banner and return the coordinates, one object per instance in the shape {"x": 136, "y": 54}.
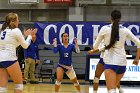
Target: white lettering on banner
{"x": 79, "y": 34}
{"x": 79, "y": 29}
{"x": 129, "y": 42}
{"x": 133, "y": 68}
{"x": 46, "y": 32}
{"x": 71, "y": 32}
{"x": 132, "y": 72}
{"x": 134, "y": 26}
{"x": 87, "y": 42}
{"x": 95, "y": 31}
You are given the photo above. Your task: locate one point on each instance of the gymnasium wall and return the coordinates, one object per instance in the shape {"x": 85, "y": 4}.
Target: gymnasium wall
{"x": 64, "y": 12}
{"x": 28, "y": 14}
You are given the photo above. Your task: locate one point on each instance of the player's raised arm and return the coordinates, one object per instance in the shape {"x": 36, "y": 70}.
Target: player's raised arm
{"x": 77, "y": 49}
{"x": 55, "y": 50}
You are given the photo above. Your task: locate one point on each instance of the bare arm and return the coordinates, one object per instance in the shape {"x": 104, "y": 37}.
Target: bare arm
{"x": 136, "y": 60}
{"x": 99, "y": 38}
{"x": 96, "y": 50}
{"x": 76, "y": 46}
{"x": 55, "y": 49}
{"x": 137, "y": 42}
{"x": 20, "y": 38}
{"x": 93, "y": 51}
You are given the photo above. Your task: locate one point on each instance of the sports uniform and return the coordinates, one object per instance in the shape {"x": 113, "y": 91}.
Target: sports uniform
{"x": 115, "y": 57}
{"x": 65, "y": 61}
{"x": 9, "y": 40}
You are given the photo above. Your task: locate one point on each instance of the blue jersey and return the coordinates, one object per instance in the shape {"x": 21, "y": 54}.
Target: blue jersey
{"x": 65, "y": 54}
{"x": 32, "y": 51}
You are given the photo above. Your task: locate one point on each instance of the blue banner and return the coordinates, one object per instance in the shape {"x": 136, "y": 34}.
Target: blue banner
{"x": 83, "y": 31}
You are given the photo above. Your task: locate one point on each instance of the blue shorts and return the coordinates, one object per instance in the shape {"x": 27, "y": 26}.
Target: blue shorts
{"x": 116, "y": 68}
{"x": 101, "y": 61}
{"x": 65, "y": 70}
{"x": 5, "y": 64}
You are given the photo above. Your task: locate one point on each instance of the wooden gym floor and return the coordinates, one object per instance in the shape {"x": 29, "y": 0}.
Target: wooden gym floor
{"x": 67, "y": 88}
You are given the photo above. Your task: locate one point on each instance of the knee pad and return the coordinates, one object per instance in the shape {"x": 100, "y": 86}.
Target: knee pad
{"x": 121, "y": 90}
{"x": 96, "y": 80}
{"x": 3, "y": 90}
{"x": 112, "y": 91}
{"x": 19, "y": 86}
{"x": 76, "y": 84}
{"x": 58, "y": 83}
{"x": 71, "y": 74}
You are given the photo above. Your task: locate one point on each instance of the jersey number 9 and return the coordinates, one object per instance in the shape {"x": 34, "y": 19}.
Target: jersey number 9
{"x": 3, "y": 35}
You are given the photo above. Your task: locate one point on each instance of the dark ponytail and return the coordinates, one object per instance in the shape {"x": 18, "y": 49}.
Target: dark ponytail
{"x": 115, "y": 17}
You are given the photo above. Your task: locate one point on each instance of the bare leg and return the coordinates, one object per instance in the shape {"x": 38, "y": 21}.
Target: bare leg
{"x": 3, "y": 79}
{"x": 110, "y": 77}
{"x": 118, "y": 86}
{"x": 119, "y": 76}
{"x": 59, "y": 73}
{"x": 76, "y": 84}
{"x": 16, "y": 74}
{"x": 98, "y": 72}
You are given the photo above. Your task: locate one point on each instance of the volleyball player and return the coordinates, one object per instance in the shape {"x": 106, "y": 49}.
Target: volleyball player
{"x": 100, "y": 69}
{"x": 65, "y": 62}
{"x": 114, "y": 36}
{"x": 10, "y": 38}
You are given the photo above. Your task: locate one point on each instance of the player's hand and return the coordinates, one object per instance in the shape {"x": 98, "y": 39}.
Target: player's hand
{"x": 35, "y": 30}
{"x": 37, "y": 61}
{"x": 31, "y": 32}
{"x": 90, "y": 51}
{"x": 55, "y": 42}
{"x": 93, "y": 51}
{"x": 75, "y": 40}
{"x": 136, "y": 62}
{"x": 26, "y": 60}
{"x": 27, "y": 32}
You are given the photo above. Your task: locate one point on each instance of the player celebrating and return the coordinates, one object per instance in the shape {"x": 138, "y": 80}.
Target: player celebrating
{"x": 100, "y": 69}
{"x": 10, "y": 38}
{"x": 114, "y": 36}
{"x": 65, "y": 61}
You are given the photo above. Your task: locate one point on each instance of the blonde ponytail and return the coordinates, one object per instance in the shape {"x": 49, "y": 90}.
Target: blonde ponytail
{"x": 12, "y": 25}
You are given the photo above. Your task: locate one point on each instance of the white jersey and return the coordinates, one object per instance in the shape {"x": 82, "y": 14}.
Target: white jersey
{"x": 100, "y": 46}
{"x": 115, "y": 55}
{"x": 9, "y": 40}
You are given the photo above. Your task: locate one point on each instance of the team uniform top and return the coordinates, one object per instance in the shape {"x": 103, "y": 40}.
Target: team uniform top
{"x": 9, "y": 40}
{"x": 32, "y": 51}
{"x": 116, "y": 55}
{"x": 100, "y": 46}
{"x": 65, "y": 54}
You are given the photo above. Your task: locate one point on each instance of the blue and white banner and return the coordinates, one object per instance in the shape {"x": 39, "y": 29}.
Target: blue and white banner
{"x": 132, "y": 72}
{"x": 83, "y": 31}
